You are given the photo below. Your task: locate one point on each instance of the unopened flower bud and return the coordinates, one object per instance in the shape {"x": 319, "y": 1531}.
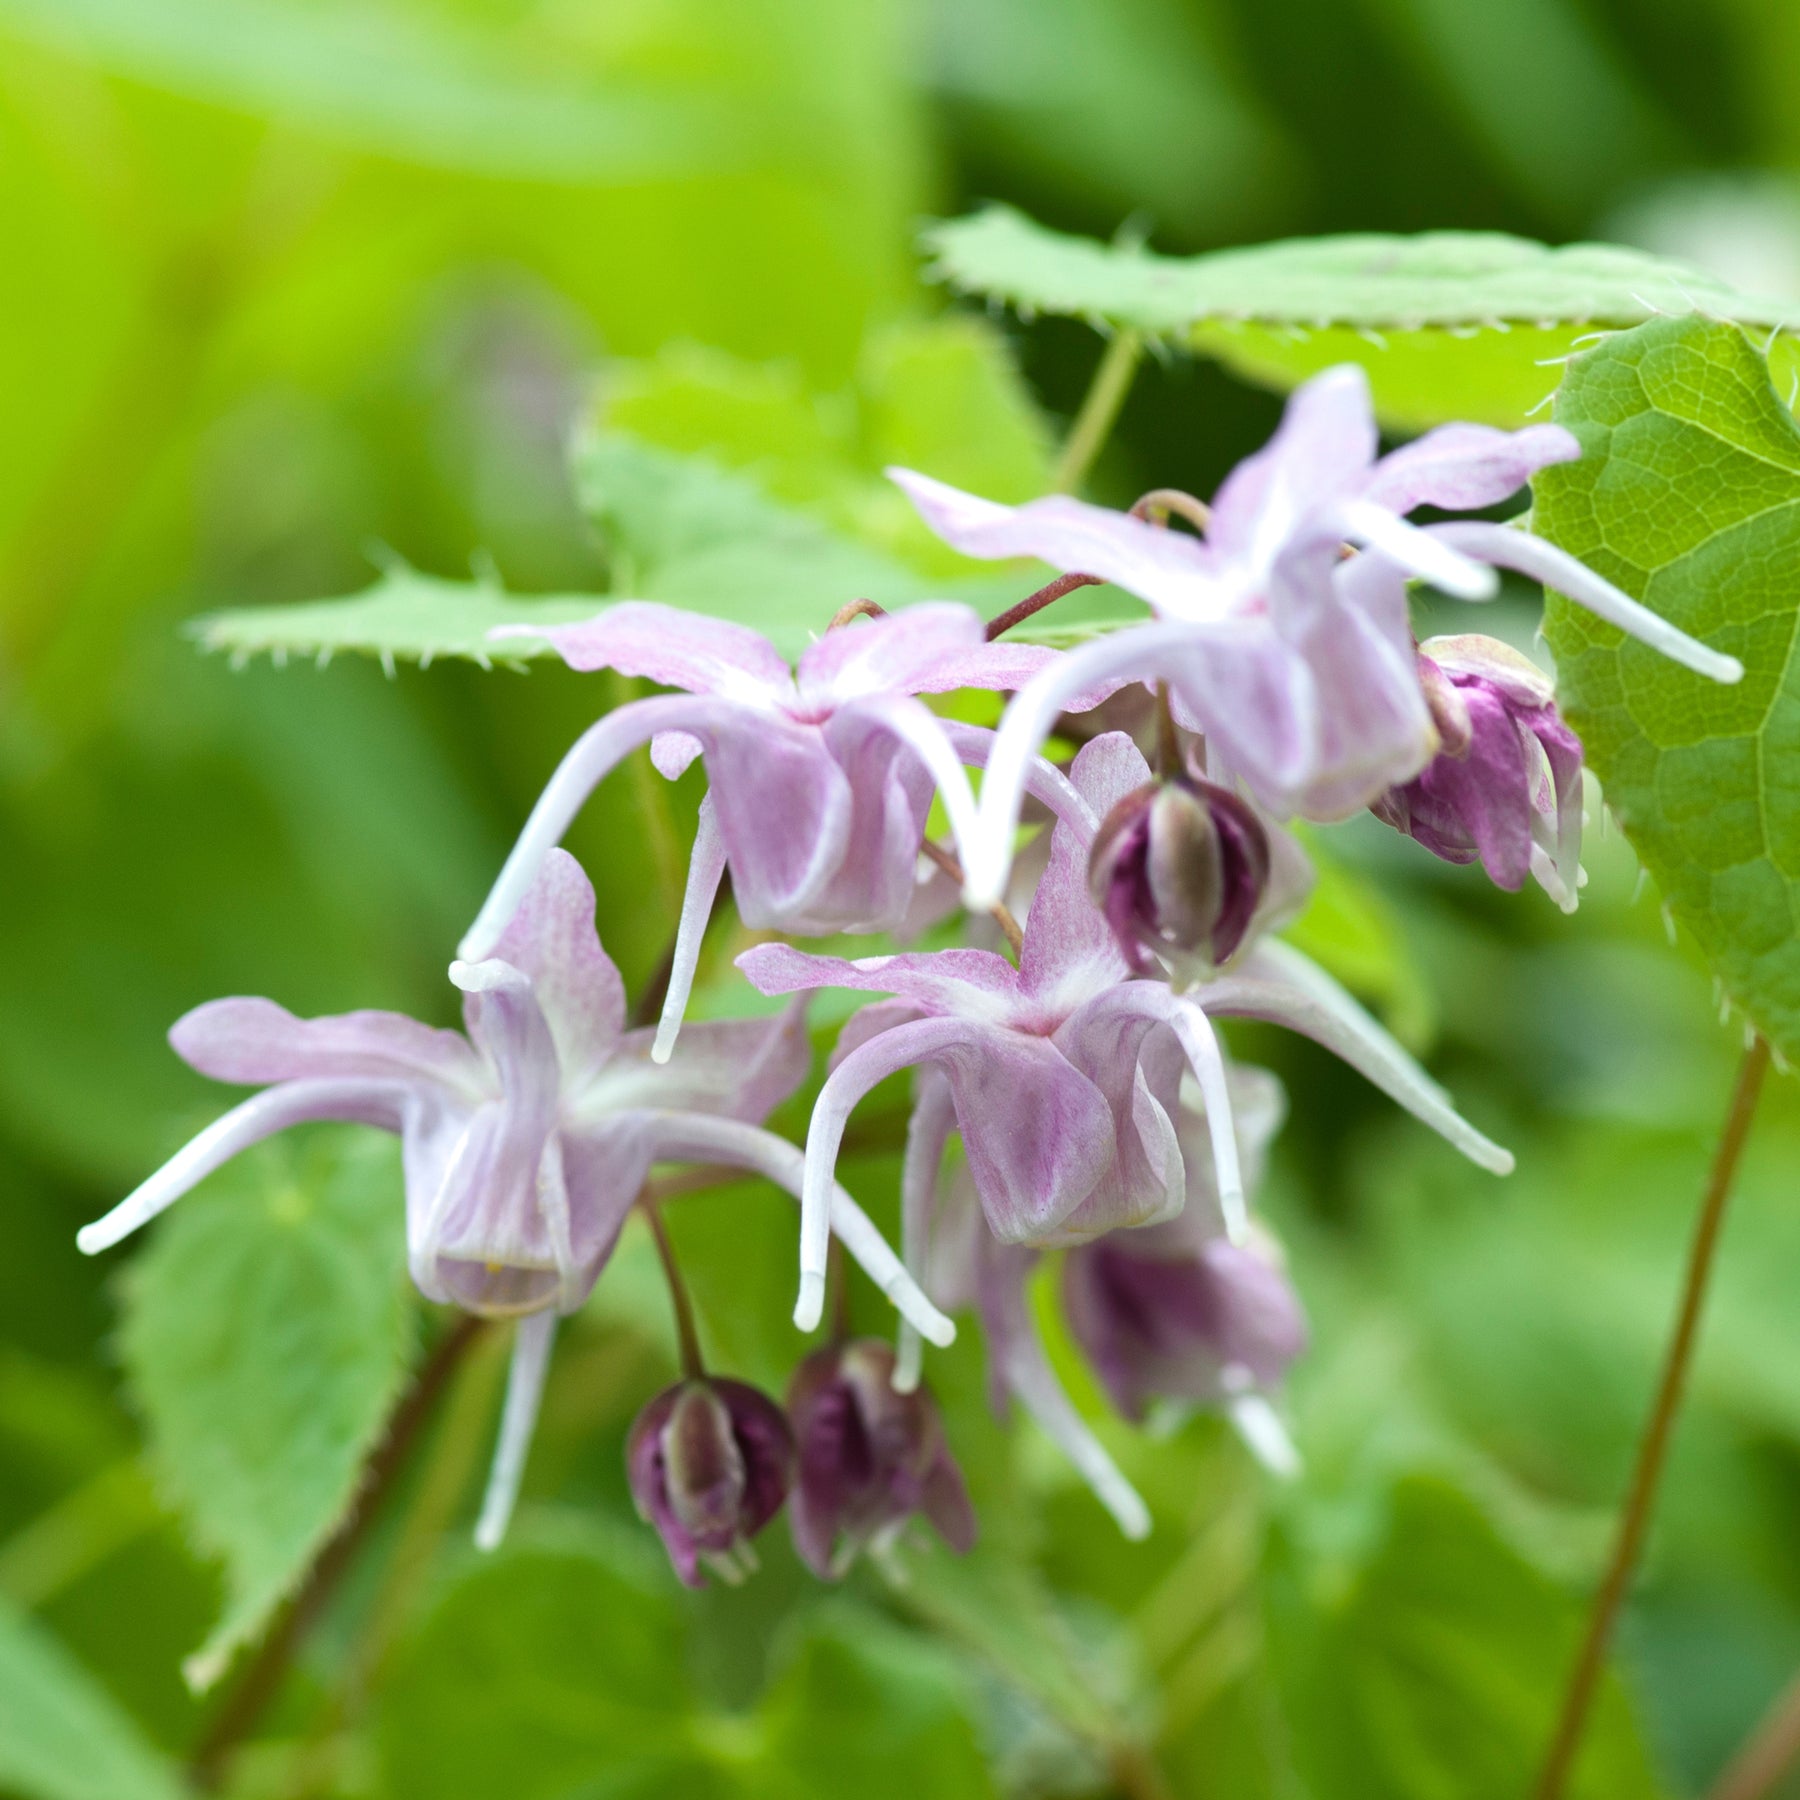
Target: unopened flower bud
{"x": 1507, "y": 787}
{"x": 1179, "y": 867}
{"x": 869, "y": 1459}
{"x": 710, "y": 1462}
{"x": 1203, "y": 1323}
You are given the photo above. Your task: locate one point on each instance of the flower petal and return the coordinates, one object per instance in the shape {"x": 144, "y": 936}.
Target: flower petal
{"x": 552, "y": 941}
{"x": 255, "y": 1041}
{"x": 738, "y": 1068}
{"x": 1167, "y": 568}
{"x": 974, "y": 984}
{"x": 675, "y": 649}
{"x": 1462, "y": 468}
{"x": 899, "y": 653}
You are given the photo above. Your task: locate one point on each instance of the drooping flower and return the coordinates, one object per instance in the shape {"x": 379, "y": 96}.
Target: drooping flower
{"x": 966, "y": 1265}
{"x": 1179, "y": 869}
{"x": 526, "y": 1141}
{"x": 1295, "y": 661}
{"x": 1063, "y": 1073}
{"x": 820, "y": 777}
{"x": 1506, "y": 787}
{"x": 870, "y": 1457}
{"x": 709, "y": 1462}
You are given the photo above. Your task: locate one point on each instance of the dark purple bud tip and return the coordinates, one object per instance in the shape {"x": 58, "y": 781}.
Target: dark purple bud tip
{"x": 709, "y": 1463}
{"x": 1506, "y": 785}
{"x": 1179, "y": 868}
{"x": 869, "y": 1459}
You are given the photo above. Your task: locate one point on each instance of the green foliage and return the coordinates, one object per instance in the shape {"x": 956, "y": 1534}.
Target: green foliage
{"x": 62, "y": 1737}
{"x": 1450, "y": 325}
{"x": 1441, "y": 1670}
{"x": 1687, "y": 494}
{"x": 267, "y": 1330}
{"x": 559, "y": 1668}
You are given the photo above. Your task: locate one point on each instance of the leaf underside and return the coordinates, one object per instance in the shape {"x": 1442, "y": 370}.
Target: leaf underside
{"x": 1687, "y": 495}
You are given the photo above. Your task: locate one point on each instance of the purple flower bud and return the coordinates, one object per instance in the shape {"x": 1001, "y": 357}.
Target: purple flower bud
{"x": 1205, "y": 1324}
{"x": 710, "y": 1463}
{"x": 869, "y": 1459}
{"x": 1179, "y": 867}
{"x": 1506, "y": 786}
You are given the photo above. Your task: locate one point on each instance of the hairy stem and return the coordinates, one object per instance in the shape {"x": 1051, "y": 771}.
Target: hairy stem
{"x": 263, "y": 1679}
{"x": 1099, "y": 409}
{"x": 1653, "y": 1450}
{"x": 686, "y": 1334}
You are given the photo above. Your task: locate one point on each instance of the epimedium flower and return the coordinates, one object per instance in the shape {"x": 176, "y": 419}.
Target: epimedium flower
{"x": 820, "y": 777}
{"x": 1506, "y": 786}
{"x": 1062, "y": 1074}
{"x": 871, "y": 1455}
{"x": 709, "y": 1462}
{"x": 1295, "y": 660}
{"x": 967, "y": 1266}
{"x": 526, "y": 1140}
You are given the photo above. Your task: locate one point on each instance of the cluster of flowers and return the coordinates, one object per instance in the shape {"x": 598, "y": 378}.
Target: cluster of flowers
{"x": 1277, "y": 677}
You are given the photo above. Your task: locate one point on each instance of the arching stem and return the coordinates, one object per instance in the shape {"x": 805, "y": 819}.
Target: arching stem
{"x": 687, "y": 1337}
{"x": 1653, "y": 1450}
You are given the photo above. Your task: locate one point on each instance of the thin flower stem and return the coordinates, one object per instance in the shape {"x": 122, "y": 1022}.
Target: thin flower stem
{"x": 1652, "y": 1452}
{"x": 1094, "y": 423}
{"x": 1767, "y": 1754}
{"x": 856, "y": 609}
{"x": 839, "y": 1277}
{"x": 1051, "y": 591}
{"x": 1168, "y": 745}
{"x": 1136, "y": 1775}
{"x": 1001, "y": 915}
{"x": 263, "y": 1679}
{"x": 1156, "y": 506}
{"x": 687, "y": 1337}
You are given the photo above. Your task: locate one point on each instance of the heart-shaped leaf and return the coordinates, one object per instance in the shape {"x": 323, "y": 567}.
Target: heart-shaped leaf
{"x": 1687, "y": 494}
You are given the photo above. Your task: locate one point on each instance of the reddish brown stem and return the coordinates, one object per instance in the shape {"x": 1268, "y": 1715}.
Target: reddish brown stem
{"x": 1001, "y": 915}
{"x": 1768, "y": 1753}
{"x": 1653, "y": 1451}
{"x": 262, "y": 1680}
{"x": 687, "y": 1334}
{"x": 857, "y": 609}
{"x": 1035, "y": 603}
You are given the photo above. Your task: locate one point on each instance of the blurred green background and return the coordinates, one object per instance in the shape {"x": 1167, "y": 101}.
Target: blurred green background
{"x": 292, "y": 287}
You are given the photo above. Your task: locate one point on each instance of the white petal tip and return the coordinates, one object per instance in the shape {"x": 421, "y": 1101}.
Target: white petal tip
{"x": 664, "y": 1047}
{"x": 809, "y": 1309}
{"x": 488, "y": 1536}
{"x": 1501, "y": 1162}
{"x": 1134, "y": 1521}
{"x": 90, "y": 1240}
{"x": 906, "y": 1378}
{"x": 1725, "y": 668}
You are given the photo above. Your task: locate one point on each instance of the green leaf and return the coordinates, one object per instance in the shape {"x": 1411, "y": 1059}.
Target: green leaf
{"x": 1450, "y": 325}
{"x": 1687, "y": 494}
{"x": 266, "y": 1333}
{"x": 1441, "y": 1672}
{"x": 405, "y": 616}
{"x": 404, "y": 85}
{"x": 62, "y": 1737}
{"x": 544, "y": 1667}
